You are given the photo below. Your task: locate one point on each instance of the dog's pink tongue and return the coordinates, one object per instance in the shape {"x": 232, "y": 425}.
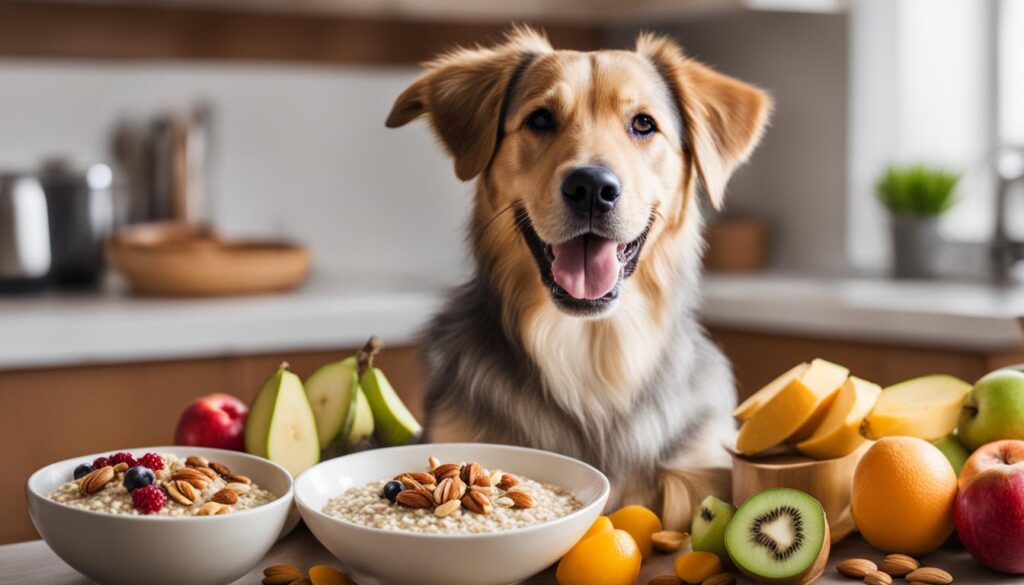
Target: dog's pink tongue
{"x": 587, "y": 267}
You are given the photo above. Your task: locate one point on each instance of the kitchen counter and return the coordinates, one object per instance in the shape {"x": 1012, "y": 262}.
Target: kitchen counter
{"x": 332, "y": 312}
{"x": 33, "y": 563}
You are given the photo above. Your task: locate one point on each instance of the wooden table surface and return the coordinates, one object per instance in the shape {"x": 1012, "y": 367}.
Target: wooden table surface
{"x": 32, "y": 563}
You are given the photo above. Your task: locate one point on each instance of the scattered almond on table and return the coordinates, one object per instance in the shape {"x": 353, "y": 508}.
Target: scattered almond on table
{"x": 877, "y": 578}
{"x": 898, "y": 565}
{"x": 894, "y": 566}
{"x": 285, "y": 574}
{"x": 669, "y": 541}
{"x": 856, "y": 568}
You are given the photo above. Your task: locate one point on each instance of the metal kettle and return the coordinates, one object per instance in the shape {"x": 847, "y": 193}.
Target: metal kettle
{"x": 25, "y": 254}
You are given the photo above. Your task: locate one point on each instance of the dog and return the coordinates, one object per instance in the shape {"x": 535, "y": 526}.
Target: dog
{"x": 577, "y": 333}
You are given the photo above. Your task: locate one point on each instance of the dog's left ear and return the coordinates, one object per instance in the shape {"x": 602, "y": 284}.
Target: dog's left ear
{"x": 723, "y": 118}
{"x": 463, "y": 92}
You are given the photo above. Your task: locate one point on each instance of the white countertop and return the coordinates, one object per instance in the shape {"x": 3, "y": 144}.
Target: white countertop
{"x": 330, "y": 312}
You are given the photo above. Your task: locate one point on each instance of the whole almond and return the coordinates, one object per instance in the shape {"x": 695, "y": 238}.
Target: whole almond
{"x": 447, "y": 508}
{"x": 450, "y": 488}
{"x": 471, "y": 472}
{"x": 225, "y": 496}
{"x": 95, "y": 480}
{"x": 413, "y": 499}
{"x": 181, "y": 491}
{"x": 220, "y": 468}
{"x": 196, "y": 461}
{"x": 930, "y": 576}
{"x": 508, "y": 481}
{"x": 483, "y": 481}
{"x": 720, "y": 579}
{"x": 505, "y": 502}
{"x": 485, "y": 490}
{"x": 669, "y": 541}
{"x": 193, "y": 477}
{"x": 236, "y": 478}
{"x": 665, "y": 580}
{"x": 495, "y": 476}
{"x": 877, "y": 578}
{"x": 521, "y": 498}
{"x": 476, "y": 502}
{"x": 432, "y": 463}
{"x": 212, "y": 509}
{"x": 281, "y": 574}
{"x": 897, "y": 565}
{"x": 239, "y": 488}
{"x": 446, "y": 470}
{"x": 856, "y": 568}
{"x": 419, "y": 476}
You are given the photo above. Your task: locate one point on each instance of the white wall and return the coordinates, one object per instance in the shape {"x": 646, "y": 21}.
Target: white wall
{"x": 301, "y": 152}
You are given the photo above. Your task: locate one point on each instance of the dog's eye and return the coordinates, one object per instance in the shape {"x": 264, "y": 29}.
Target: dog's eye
{"x": 541, "y": 120}
{"x": 643, "y": 125}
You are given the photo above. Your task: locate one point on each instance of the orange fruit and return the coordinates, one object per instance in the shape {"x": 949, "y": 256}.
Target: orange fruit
{"x": 602, "y": 524}
{"x": 639, "y": 522}
{"x": 903, "y": 493}
{"x": 697, "y": 567}
{"x": 608, "y": 558}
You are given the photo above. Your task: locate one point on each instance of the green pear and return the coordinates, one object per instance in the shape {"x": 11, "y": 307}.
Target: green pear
{"x": 281, "y": 426}
{"x": 708, "y": 530}
{"x": 393, "y": 423}
{"x": 954, "y": 450}
{"x": 994, "y": 409}
{"x": 343, "y": 416}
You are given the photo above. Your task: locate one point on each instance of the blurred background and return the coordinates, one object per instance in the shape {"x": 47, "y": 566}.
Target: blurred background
{"x": 192, "y": 191}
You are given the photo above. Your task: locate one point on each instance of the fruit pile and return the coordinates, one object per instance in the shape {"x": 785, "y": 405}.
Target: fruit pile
{"x": 343, "y": 406}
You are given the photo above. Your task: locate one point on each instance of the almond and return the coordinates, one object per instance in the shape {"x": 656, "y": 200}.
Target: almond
{"x": 508, "y": 481}
{"x": 419, "y": 476}
{"x": 521, "y": 498}
{"x": 495, "y": 476}
{"x": 193, "y": 477}
{"x": 930, "y": 576}
{"x": 413, "y": 499}
{"x": 220, "y": 468}
{"x": 181, "y": 491}
{"x": 209, "y": 473}
{"x": 447, "y": 508}
{"x": 665, "y": 580}
{"x": 669, "y": 541}
{"x": 485, "y": 490}
{"x": 432, "y": 463}
{"x": 720, "y": 579}
{"x": 239, "y": 488}
{"x": 95, "y": 480}
{"x": 121, "y": 467}
{"x": 213, "y": 509}
{"x": 856, "y": 568}
{"x": 196, "y": 461}
{"x": 450, "y": 488}
{"x": 505, "y": 502}
{"x": 898, "y": 565}
{"x": 877, "y": 578}
{"x": 476, "y": 502}
{"x": 225, "y": 496}
{"x": 235, "y": 478}
{"x": 483, "y": 481}
{"x": 281, "y": 574}
{"x": 446, "y": 470}
{"x": 471, "y": 472}
{"x": 282, "y": 568}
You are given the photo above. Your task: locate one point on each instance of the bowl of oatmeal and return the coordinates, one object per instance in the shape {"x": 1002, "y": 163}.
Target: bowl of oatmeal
{"x": 451, "y": 514}
{"x": 161, "y": 515}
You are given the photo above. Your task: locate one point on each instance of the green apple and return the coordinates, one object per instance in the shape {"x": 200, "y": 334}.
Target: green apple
{"x": 994, "y": 409}
{"x": 954, "y": 450}
{"x": 708, "y": 530}
{"x": 343, "y": 416}
{"x": 281, "y": 426}
{"x": 393, "y": 423}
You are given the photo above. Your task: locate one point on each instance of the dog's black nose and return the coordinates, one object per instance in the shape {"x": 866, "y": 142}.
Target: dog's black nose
{"x": 591, "y": 190}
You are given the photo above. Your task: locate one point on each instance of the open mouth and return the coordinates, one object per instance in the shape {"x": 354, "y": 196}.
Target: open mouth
{"x": 585, "y": 273}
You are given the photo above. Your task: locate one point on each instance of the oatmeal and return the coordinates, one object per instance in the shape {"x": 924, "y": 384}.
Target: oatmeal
{"x": 453, "y": 498}
{"x": 160, "y": 485}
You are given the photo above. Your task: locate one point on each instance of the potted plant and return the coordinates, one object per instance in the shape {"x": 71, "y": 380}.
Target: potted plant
{"x": 916, "y": 195}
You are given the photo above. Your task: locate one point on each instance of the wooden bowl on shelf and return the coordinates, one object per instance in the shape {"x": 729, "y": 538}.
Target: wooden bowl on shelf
{"x": 829, "y": 481}
{"x": 177, "y": 260}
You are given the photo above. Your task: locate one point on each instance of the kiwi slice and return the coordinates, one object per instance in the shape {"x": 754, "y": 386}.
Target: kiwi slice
{"x": 708, "y": 530}
{"x": 779, "y": 536}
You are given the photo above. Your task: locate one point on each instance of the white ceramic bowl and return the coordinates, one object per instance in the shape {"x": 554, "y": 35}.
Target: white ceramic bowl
{"x": 378, "y": 557}
{"x": 114, "y": 549}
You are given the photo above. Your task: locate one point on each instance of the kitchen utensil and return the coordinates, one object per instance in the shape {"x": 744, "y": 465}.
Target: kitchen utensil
{"x": 119, "y": 549}
{"x": 25, "y": 254}
{"x": 81, "y": 215}
{"x": 377, "y": 556}
{"x": 829, "y": 481}
{"x": 181, "y": 260}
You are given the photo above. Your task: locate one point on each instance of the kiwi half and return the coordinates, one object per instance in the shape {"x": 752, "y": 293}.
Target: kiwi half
{"x": 708, "y": 530}
{"x": 779, "y": 536}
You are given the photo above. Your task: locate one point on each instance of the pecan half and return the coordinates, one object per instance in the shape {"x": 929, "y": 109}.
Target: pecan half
{"x": 95, "y": 480}
{"x": 220, "y": 468}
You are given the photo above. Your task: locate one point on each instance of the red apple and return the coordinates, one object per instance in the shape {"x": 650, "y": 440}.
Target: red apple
{"x": 989, "y": 509}
{"x": 215, "y": 420}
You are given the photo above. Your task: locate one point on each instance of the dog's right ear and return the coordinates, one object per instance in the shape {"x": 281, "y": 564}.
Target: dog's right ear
{"x": 462, "y": 93}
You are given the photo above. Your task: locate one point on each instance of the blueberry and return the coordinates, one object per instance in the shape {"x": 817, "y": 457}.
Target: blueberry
{"x": 138, "y": 476}
{"x": 391, "y": 489}
{"x": 82, "y": 470}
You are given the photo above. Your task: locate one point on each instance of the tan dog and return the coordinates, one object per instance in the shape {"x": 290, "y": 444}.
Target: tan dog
{"x": 578, "y": 333}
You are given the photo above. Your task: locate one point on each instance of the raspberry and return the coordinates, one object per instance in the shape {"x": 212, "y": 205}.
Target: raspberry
{"x": 152, "y": 461}
{"x": 148, "y": 499}
{"x": 100, "y": 462}
{"x": 123, "y": 457}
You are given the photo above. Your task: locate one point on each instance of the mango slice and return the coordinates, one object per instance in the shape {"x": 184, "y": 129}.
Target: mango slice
{"x": 752, "y": 404}
{"x": 927, "y": 408}
{"x": 839, "y": 432}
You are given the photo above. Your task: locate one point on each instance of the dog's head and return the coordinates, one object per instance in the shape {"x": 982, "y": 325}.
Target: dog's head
{"x": 589, "y": 157}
